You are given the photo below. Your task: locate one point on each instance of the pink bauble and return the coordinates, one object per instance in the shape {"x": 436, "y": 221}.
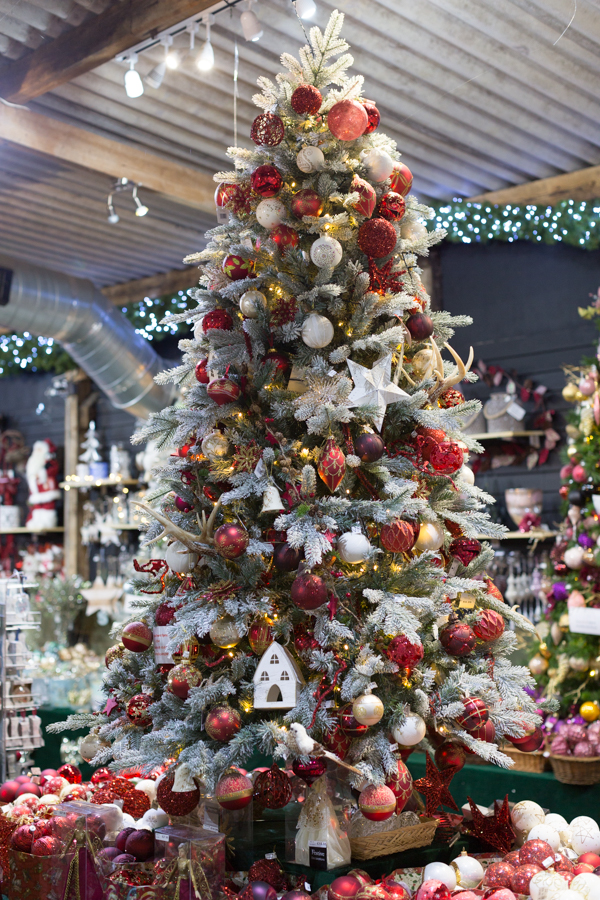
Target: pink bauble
{"x": 347, "y": 120}
{"x": 433, "y": 890}
{"x": 501, "y": 894}
{"x": 578, "y": 474}
{"x": 575, "y": 599}
{"x": 584, "y": 748}
{"x": 566, "y": 471}
{"x": 465, "y": 895}
{"x": 344, "y": 888}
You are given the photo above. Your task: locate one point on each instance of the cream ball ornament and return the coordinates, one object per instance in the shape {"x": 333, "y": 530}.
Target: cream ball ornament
{"x": 224, "y": 633}
{"x": 469, "y": 871}
{"x": 545, "y": 832}
{"x": 326, "y": 252}
{"x": 411, "y": 732}
{"x": 270, "y": 213}
{"x": 537, "y": 665}
{"x": 251, "y": 302}
{"x": 544, "y": 885}
{"x": 555, "y": 820}
{"x": 147, "y": 787}
{"x": 585, "y": 839}
{"x": 584, "y": 820}
{"x": 215, "y": 445}
{"x": 574, "y": 557}
{"x": 378, "y": 163}
{"x": 413, "y": 230}
{"x": 310, "y": 159}
{"x": 317, "y": 331}
{"x": 353, "y": 547}
{"x": 587, "y": 884}
{"x": 423, "y": 362}
{"x": 526, "y": 814}
{"x": 466, "y": 475}
{"x": 367, "y": 709}
{"x": 180, "y": 558}
{"x": 439, "y": 871}
{"x": 431, "y": 537}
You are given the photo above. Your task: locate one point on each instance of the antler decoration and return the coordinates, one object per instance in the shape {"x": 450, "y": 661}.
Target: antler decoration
{"x": 191, "y": 541}
{"x": 444, "y": 383}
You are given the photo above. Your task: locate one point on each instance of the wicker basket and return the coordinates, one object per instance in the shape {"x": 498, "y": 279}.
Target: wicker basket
{"x": 526, "y": 762}
{"x": 383, "y": 844}
{"x": 575, "y": 770}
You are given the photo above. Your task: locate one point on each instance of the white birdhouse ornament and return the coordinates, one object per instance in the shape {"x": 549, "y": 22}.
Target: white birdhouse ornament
{"x": 277, "y": 680}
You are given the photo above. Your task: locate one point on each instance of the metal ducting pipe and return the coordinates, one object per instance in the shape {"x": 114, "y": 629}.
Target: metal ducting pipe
{"x": 96, "y": 334}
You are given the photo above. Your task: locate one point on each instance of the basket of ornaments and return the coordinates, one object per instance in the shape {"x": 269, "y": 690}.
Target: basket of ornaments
{"x": 575, "y": 753}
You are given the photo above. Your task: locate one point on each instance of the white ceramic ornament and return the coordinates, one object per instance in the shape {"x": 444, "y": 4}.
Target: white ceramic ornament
{"x": 155, "y": 818}
{"x": 585, "y": 839}
{"x": 310, "y": 159}
{"x": 353, "y": 547}
{"x": 251, "y": 302}
{"x": 544, "y": 885}
{"x": 574, "y": 557}
{"x": 411, "y": 732}
{"x": 546, "y": 833}
{"x": 272, "y": 500}
{"x": 556, "y": 821}
{"x": 587, "y": 884}
{"x": 378, "y": 163}
{"x": 566, "y": 895}
{"x": 439, "y": 871}
{"x": 180, "y": 559}
{"x": 51, "y": 799}
{"x": 270, "y": 213}
{"x": 466, "y": 475}
{"x": 413, "y": 231}
{"x": 526, "y": 814}
{"x": 317, "y": 331}
{"x": 128, "y": 821}
{"x": 469, "y": 871}
{"x": 215, "y": 445}
{"x": 326, "y": 252}
{"x": 431, "y": 537}
{"x": 367, "y": 709}
{"x": 584, "y": 820}
{"x": 198, "y": 331}
{"x": 148, "y": 787}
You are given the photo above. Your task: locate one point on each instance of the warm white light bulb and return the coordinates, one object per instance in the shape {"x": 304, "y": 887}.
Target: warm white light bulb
{"x": 172, "y": 60}
{"x": 206, "y": 57}
{"x": 133, "y": 83}
{"x": 141, "y": 210}
{"x": 306, "y": 8}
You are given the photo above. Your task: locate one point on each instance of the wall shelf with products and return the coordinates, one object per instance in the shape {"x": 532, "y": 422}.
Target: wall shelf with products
{"x": 505, "y": 435}
{"x": 88, "y": 484}
{"x": 22, "y": 530}
{"x": 533, "y": 535}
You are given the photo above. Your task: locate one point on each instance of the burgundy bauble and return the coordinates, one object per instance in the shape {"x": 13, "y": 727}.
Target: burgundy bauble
{"x": 22, "y": 839}
{"x": 391, "y": 206}
{"x": 475, "y": 714}
{"x": 284, "y": 236}
{"x": 231, "y": 540}
{"x": 222, "y": 722}
{"x": 377, "y": 238}
{"x": 446, "y": 458}
{"x": 399, "y": 536}
{"x": 124, "y": 859}
{"x": 306, "y": 100}
{"x": 465, "y": 550}
{"x": 309, "y": 591}
{"x": 347, "y": 120}
{"x": 489, "y": 625}
{"x": 223, "y": 390}
{"x": 70, "y": 772}
{"x": 536, "y": 851}
{"x": 374, "y": 117}
{"x": 176, "y": 803}
{"x": 420, "y": 326}
{"x": 304, "y": 638}
{"x": 403, "y": 652}
{"x": 137, "y": 710}
{"x": 400, "y": 783}
{"x": 450, "y": 755}
{"x": 165, "y": 614}
{"x": 338, "y": 742}
{"x": 306, "y": 203}
{"x": 136, "y": 637}
{"x": 217, "y": 318}
{"x": 433, "y": 890}
{"x": 485, "y": 732}
{"x": 200, "y": 371}
{"x": 530, "y": 742}
{"x": 260, "y": 635}
{"x": 266, "y": 181}
{"x": 182, "y": 678}
{"x": 122, "y": 838}
{"x": 401, "y": 179}
{"x": 498, "y": 875}
{"x": 271, "y": 871}
{"x": 311, "y": 770}
{"x": 109, "y": 854}
{"x": 236, "y": 268}
{"x": 281, "y": 361}
{"x": 234, "y": 790}
{"x": 273, "y": 788}
{"x": 286, "y": 558}
{"x": 458, "y": 639}
{"x": 349, "y": 724}
{"x": 519, "y": 882}
{"x": 183, "y": 506}
{"x": 345, "y": 887}
{"x": 267, "y": 130}
{"x": 140, "y": 844}
{"x": 369, "y": 447}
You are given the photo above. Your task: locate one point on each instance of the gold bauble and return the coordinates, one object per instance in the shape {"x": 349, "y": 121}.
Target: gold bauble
{"x": 572, "y": 450}
{"x": 590, "y": 710}
{"x": 572, "y": 432}
{"x": 187, "y": 652}
{"x": 579, "y": 397}
{"x": 422, "y": 361}
{"x": 543, "y": 651}
{"x": 586, "y": 421}
{"x": 537, "y": 665}
{"x": 114, "y": 652}
{"x": 224, "y": 633}
{"x": 570, "y": 392}
{"x": 367, "y": 709}
{"x": 578, "y": 664}
{"x": 564, "y": 621}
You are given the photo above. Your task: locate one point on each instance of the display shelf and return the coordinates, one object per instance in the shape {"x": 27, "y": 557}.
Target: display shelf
{"x": 23, "y": 530}
{"x": 87, "y": 483}
{"x": 127, "y": 527}
{"x": 504, "y": 435}
{"x": 537, "y": 534}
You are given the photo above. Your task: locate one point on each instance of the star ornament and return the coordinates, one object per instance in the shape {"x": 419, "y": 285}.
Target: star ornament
{"x": 434, "y": 787}
{"x": 372, "y": 387}
{"x": 496, "y": 830}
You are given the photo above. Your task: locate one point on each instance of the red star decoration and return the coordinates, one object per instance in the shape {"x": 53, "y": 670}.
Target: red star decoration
{"x": 434, "y": 787}
{"x": 495, "y": 830}
{"x": 110, "y": 705}
{"x": 383, "y": 280}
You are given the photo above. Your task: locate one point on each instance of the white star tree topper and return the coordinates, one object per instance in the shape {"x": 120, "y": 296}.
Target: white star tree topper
{"x": 373, "y": 387}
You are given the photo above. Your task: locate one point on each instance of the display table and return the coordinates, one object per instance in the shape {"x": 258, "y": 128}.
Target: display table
{"x": 48, "y": 756}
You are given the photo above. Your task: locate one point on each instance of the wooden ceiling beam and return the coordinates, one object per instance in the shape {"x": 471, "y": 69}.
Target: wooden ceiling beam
{"x": 583, "y": 184}
{"x": 154, "y": 286}
{"x": 113, "y": 158}
{"x": 96, "y": 41}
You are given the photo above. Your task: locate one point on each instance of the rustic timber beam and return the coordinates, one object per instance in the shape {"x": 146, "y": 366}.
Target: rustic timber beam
{"x": 153, "y": 286}
{"x": 96, "y": 41}
{"x": 583, "y": 184}
{"x": 113, "y": 158}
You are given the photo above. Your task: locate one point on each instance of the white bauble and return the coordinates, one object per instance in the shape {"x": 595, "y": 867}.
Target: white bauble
{"x": 465, "y": 474}
{"x": 90, "y": 745}
{"x": 198, "y": 331}
{"x": 148, "y": 787}
{"x": 317, "y": 331}
{"x": 439, "y": 871}
{"x": 310, "y": 159}
{"x": 413, "y": 231}
{"x": 546, "y": 833}
{"x": 423, "y": 362}
{"x": 556, "y": 821}
{"x": 537, "y": 665}
{"x": 353, "y": 547}
{"x": 128, "y": 821}
{"x": 544, "y": 885}
{"x": 215, "y": 445}
{"x": 180, "y": 559}
{"x": 578, "y": 664}
{"x": 326, "y": 252}
{"x": 526, "y": 814}
{"x": 367, "y": 709}
{"x": 411, "y": 732}
{"x": 378, "y": 163}
{"x": 566, "y": 895}
{"x": 154, "y": 818}
{"x": 251, "y": 302}
{"x": 587, "y": 884}
{"x": 270, "y": 213}
{"x": 584, "y": 820}
{"x": 50, "y": 799}
{"x": 574, "y": 557}
{"x": 585, "y": 839}
{"x": 431, "y": 537}
{"x": 469, "y": 871}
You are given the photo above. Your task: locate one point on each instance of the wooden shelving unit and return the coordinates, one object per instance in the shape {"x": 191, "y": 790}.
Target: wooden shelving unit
{"x": 23, "y": 530}
{"x": 504, "y": 435}
{"x": 89, "y": 483}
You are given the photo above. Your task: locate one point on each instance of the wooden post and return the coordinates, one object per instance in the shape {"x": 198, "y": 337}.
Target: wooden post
{"x": 77, "y": 415}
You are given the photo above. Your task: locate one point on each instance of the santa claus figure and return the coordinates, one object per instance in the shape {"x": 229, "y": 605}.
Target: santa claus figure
{"x": 42, "y": 474}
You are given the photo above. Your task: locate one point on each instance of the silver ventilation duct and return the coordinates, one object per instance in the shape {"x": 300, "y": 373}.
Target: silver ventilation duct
{"x": 93, "y": 332}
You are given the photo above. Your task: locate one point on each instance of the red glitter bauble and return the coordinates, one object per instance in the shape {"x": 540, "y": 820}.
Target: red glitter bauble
{"x": 176, "y": 803}
{"x": 369, "y": 447}
{"x": 451, "y": 397}
{"x": 433, "y": 890}
{"x": 458, "y": 639}
{"x": 349, "y": 724}
{"x": 420, "y": 326}
{"x": 401, "y": 179}
{"x": 231, "y": 540}
{"x": 222, "y": 722}
{"x": 267, "y": 130}
{"x": 337, "y": 742}
{"x": 475, "y": 714}
{"x": 234, "y": 791}
{"x": 286, "y": 558}
{"x": 498, "y": 875}
{"x": 465, "y": 550}
{"x": 266, "y": 181}
{"x": 282, "y": 362}
{"x": 306, "y": 203}
{"x": 401, "y": 784}
{"x": 347, "y": 120}
{"x": 485, "y": 732}
{"x": 273, "y": 789}
{"x": 202, "y": 375}
{"x": 403, "y": 652}
{"x": 136, "y": 637}
{"x": 536, "y": 851}
{"x": 304, "y": 638}
{"x": 489, "y": 625}
{"x": 530, "y": 742}
{"x": 446, "y": 458}
{"x": 332, "y": 464}
{"x": 223, "y": 390}
{"x": 374, "y": 117}
{"x": 271, "y": 872}
{"x": 344, "y": 888}
{"x": 137, "y": 710}
{"x": 182, "y": 678}
{"x": 236, "y": 268}
{"x": 309, "y": 771}
{"x": 136, "y": 804}
{"x": 306, "y": 100}
{"x": 70, "y": 772}
{"x": 22, "y": 839}
{"x": 114, "y": 652}
{"x": 101, "y": 775}
{"x": 399, "y": 536}
{"x": 284, "y": 236}
{"x": 377, "y": 802}
{"x": 391, "y": 206}
{"x": 377, "y": 238}
{"x": 239, "y": 198}
{"x": 165, "y": 614}
{"x": 309, "y": 591}
{"x": 217, "y": 318}
{"x": 450, "y": 755}
{"x": 519, "y": 883}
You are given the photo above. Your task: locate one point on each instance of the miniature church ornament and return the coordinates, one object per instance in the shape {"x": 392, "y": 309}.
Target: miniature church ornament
{"x": 373, "y": 387}
{"x": 277, "y": 680}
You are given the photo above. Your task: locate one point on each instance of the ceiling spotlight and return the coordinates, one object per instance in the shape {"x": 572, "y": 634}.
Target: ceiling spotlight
{"x": 155, "y": 76}
{"x": 206, "y": 58}
{"x": 133, "y": 83}
{"x": 113, "y": 218}
{"x": 305, "y": 8}
{"x": 140, "y": 209}
{"x": 172, "y": 60}
{"x": 250, "y": 25}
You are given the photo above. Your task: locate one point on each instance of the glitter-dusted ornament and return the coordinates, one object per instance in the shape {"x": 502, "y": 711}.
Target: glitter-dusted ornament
{"x": 476, "y": 713}
{"x": 367, "y": 201}
{"x": 431, "y": 537}
{"x": 433, "y": 890}
{"x": 465, "y": 550}
{"x": 306, "y": 100}
{"x": 113, "y": 653}
{"x": 224, "y": 632}
{"x": 373, "y": 116}
{"x": 286, "y": 558}
{"x": 137, "y": 637}
{"x": 22, "y": 839}
{"x": 234, "y": 790}
{"x": 270, "y": 213}
{"x": 236, "y": 268}
{"x": 377, "y": 238}
{"x": 367, "y": 709}
{"x": 137, "y": 710}
{"x": 332, "y": 465}
{"x": 499, "y": 874}
{"x": 519, "y": 882}
{"x": 450, "y": 397}
{"x": 401, "y": 179}
{"x": 200, "y": 371}
{"x": 489, "y": 626}
{"x": 223, "y": 390}
{"x": 311, "y": 770}
{"x": 273, "y": 789}
{"x": 260, "y": 633}
{"x": 413, "y": 230}
{"x": 271, "y": 871}
{"x": 536, "y": 851}
{"x": 70, "y": 772}
{"x": 403, "y": 652}
{"x": 391, "y": 206}
{"x": 353, "y": 547}
{"x": 435, "y": 787}
{"x": 446, "y": 458}
{"x": 182, "y": 678}
{"x": 347, "y": 120}
{"x": 317, "y": 331}
{"x": 222, "y": 722}
{"x": 176, "y": 803}
{"x": 326, "y": 252}
{"x": 231, "y": 540}
{"x": 217, "y": 318}
{"x": 399, "y": 536}
{"x": 267, "y": 130}
{"x": 306, "y": 203}
{"x": 458, "y": 639}
{"x": 400, "y": 784}
{"x": 284, "y": 236}
{"x": 310, "y": 159}
{"x": 308, "y": 591}
{"x": 369, "y": 447}
{"x": 411, "y": 731}
{"x": 420, "y": 326}
{"x": 180, "y": 558}
{"x": 450, "y": 755}
{"x": 266, "y": 181}
{"x": 377, "y": 802}
{"x": 349, "y": 724}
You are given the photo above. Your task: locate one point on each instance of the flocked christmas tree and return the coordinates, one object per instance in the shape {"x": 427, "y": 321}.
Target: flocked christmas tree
{"x": 324, "y": 586}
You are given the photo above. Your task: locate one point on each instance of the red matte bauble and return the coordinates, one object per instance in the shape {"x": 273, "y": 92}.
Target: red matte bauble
{"x": 286, "y": 558}
{"x": 403, "y": 652}
{"x": 260, "y": 636}
{"x": 401, "y": 179}
{"x": 369, "y": 447}
{"x": 349, "y": 724}
{"x": 284, "y": 236}
{"x": 236, "y": 268}
{"x": 200, "y": 371}
{"x": 485, "y": 732}
{"x": 121, "y": 838}
{"x": 475, "y": 714}
{"x": 306, "y": 203}
{"x": 137, "y": 710}
{"x": 345, "y": 887}
{"x": 176, "y": 803}
{"x": 374, "y": 117}
{"x": 420, "y": 326}
{"x": 266, "y": 181}
{"x": 498, "y": 875}
{"x": 530, "y": 743}
{"x": 281, "y": 361}
{"x": 519, "y": 882}
{"x": 140, "y": 844}
{"x": 308, "y": 591}
{"x": 458, "y": 639}
{"x": 306, "y": 100}
{"x": 338, "y": 742}
{"x": 377, "y": 238}
{"x": 101, "y": 775}
{"x": 223, "y": 390}
{"x": 450, "y": 755}
{"x": 267, "y": 130}
{"x": 399, "y": 536}
{"x": 401, "y": 784}
{"x": 231, "y": 540}
{"x": 447, "y": 458}
{"x": 591, "y": 859}
{"x": 347, "y": 120}
{"x": 273, "y": 788}
{"x": 217, "y": 318}
{"x": 222, "y": 722}
{"x": 183, "y": 505}
{"x": 182, "y": 678}
{"x": 8, "y": 791}
{"x": 309, "y": 771}
{"x": 536, "y": 851}
{"x": 433, "y": 890}
{"x": 332, "y": 464}
{"x": 22, "y": 839}
{"x": 70, "y": 772}
{"x": 377, "y": 803}
{"x": 136, "y": 637}
{"x": 165, "y": 614}
{"x": 234, "y": 791}
{"x": 465, "y": 550}
{"x": 489, "y": 625}
{"x": 392, "y": 206}
{"x": 451, "y": 397}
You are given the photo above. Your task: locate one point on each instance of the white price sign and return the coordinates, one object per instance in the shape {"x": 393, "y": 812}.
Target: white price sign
{"x": 584, "y": 620}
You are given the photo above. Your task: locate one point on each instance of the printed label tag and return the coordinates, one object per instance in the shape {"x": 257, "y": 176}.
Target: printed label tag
{"x": 466, "y": 602}
{"x": 270, "y": 856}
{"x": 317, "y": 855}
{"x": 160, "y": 837}
{"x": 161, "y": 641}
{"x": 516, "y": 411}
{"x": 584, "y": 620}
